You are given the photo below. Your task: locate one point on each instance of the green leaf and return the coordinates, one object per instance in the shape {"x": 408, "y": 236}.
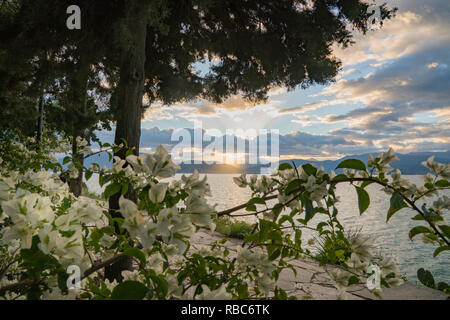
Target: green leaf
{"x": 66, "y": 160}
{"x": 88, "y": 174}
{"x": 251, "y": 207}
{"x": 136, "y": 253}
{"x": 425, "y": 277}
{"x": 62, "y": 280}
{"x": 112, "y": 189}
{"x": 340, "y": 177}
{"x": 446, "y": 230}
{"x": 442, "y": 184}
{"x": 128, "y": 153}
{"x": 397, "y": 203}
{"x": 439, "y": 250}
{"x": 256, "y": 200}
{"x": 309, "y": 169}
{"x": 365, "y": 184}
{"x": 284, "y": 166}
{"x": 275, "y": 254}
{"x": 161, "y": 283}
{"x": 353, "y": 280}
{"x": 292, "y": 186}
{"x": 124, "y": 188}
{"x": 309, "y": 209}
{"x": 129, "y": 290}
{"x": 443, "y": 286}
{"x": 418, "y": 230}
{"x": 363, "y": 199}
{"x": 352, "y": 164}
{"x": 419, "y": 217}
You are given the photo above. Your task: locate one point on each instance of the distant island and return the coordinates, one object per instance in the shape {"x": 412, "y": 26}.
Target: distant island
{"x": 409, "y": 163}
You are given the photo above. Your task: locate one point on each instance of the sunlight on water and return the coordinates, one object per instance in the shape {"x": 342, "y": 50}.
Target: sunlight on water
{"x": 390, "y": 239}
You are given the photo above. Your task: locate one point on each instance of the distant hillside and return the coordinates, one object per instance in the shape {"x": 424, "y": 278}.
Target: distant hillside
{"x": 409, "y": 163}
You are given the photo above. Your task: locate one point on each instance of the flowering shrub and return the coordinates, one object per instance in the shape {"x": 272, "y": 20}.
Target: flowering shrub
{"x": 45, "y": 231}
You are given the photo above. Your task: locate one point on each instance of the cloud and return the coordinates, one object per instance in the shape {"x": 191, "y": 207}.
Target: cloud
{"x": 308, "y": 106}
{"x": 296, "y": 143}
{"x": 418, "y": 23}
{"x": 404, "y": 102}
{"x": 397, "y": 91}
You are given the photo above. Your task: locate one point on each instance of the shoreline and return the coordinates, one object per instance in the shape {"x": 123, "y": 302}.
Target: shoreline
{"x": 313, "y": 282}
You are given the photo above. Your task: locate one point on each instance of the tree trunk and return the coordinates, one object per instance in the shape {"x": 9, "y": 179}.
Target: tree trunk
{"x": 129, "y": 103}
{"x": 41, "y": 119}
{"x": 79, "y": 99}
{"x": 76, "y": 185}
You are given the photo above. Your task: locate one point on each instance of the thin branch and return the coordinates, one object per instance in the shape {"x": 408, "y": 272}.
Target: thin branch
{"x": 102, "y": 265}
{"x": 16, "y": 285}
{"x": 86, "y": 274}
{"x": 334, "y": 182}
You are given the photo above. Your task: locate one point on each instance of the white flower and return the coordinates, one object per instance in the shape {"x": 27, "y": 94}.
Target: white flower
{"x": 117, "y": 165}
{"x": 428, "y": 178}
{"x": 361, "y": 247}
{"x": 371, "y": 161}
{"x": 395, "y": 281}
{"x": 48, "y": 238}
{"x": 199, "y": 211}
{"x": 128, "y": 208}
{"x": 320, "y": 191}
{"x": 266, "y": 284}
{"x": 193, "y": 183}
{"x": 155, "y": 262}
{"x": 438, "y": 168}
{"x": 357, "y": 263}
{"x": 218, "y": 294}
{"x": 158, "y": 164}
{"x": 21, "y": 210}
{"x": 388, "y": 157}
{"x": 73, "y": 171}
{"x": 241, "y": 181}
{"x": 340, "y": 278}
{"x": 442, "y": 203}
{"x": 310, "y": 184}
{"x": 349, "y": 173}
{"x": 341, "y": 294}
{"x": 157, "y": 192}
{"x": 175, "y": 290}
{"x": 388, "y": 265}
{"x": 332, "y": 175}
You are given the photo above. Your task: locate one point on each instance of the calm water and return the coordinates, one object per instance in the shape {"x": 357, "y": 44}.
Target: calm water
{"x": 390, "y": 238}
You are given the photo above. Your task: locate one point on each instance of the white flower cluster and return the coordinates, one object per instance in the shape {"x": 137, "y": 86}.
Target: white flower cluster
{"x": 382, "y": 162}
{"x": 60, "y": 235}
{"x": 29, "y": 154}
{"x": 158, "y": 164}
{"x": 439, "y": 169}
{"x": 256, "y": 259}
{"x": 362, "y": 256}
{"x": 174, "y": 224}
{"x": 261, "y": 184}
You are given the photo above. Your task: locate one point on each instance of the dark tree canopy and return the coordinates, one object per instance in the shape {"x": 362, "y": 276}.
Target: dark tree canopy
{"x": 150, "y": 48}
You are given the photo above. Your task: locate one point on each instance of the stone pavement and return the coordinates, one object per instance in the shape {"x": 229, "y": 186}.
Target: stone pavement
{"x": 313, "y": 282}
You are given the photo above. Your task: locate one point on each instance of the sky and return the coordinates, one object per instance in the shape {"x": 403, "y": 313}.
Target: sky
{"x": 393, "y": 91}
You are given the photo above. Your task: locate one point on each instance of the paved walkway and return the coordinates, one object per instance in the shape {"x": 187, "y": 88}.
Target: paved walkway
{"x": 313, "y": 282}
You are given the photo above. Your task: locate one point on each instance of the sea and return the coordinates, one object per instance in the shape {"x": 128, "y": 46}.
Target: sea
{"x": 390, "y": 239}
